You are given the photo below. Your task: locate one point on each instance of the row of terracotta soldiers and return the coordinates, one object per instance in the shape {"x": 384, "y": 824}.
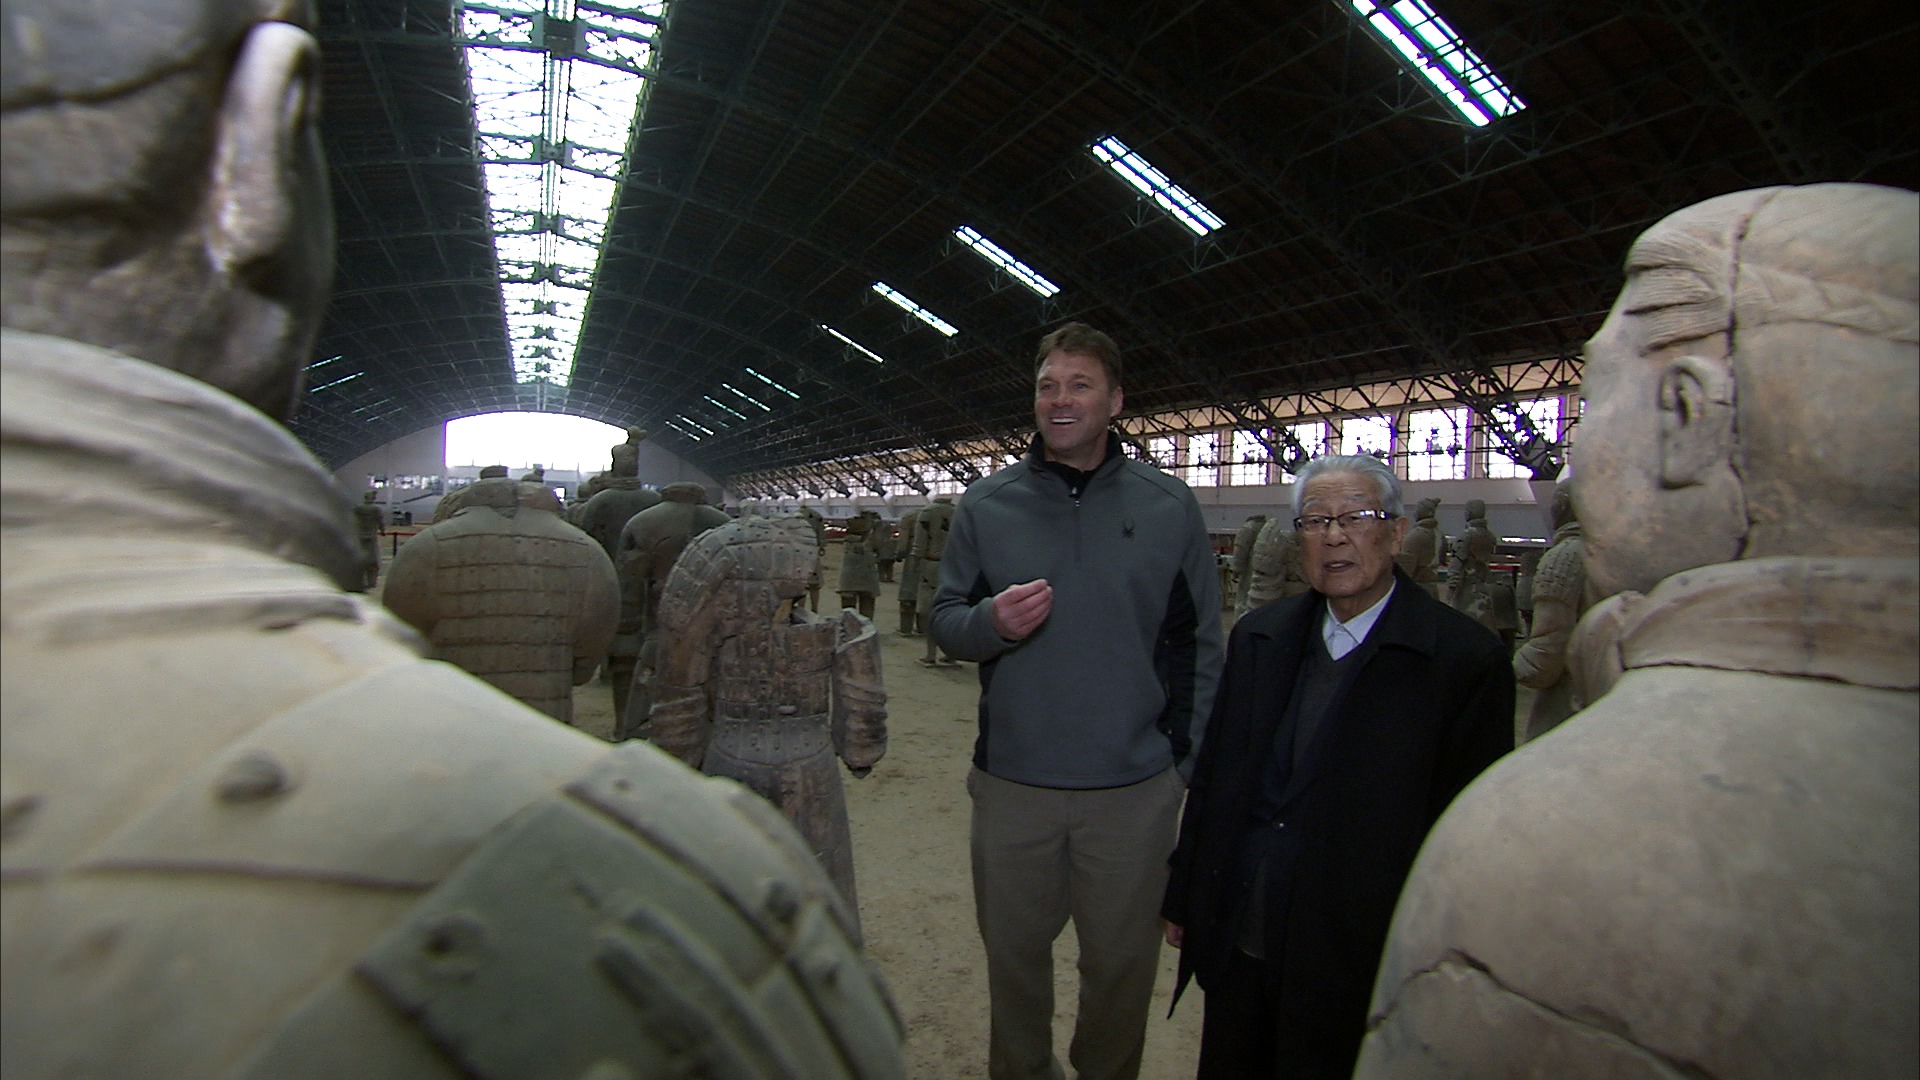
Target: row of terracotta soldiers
{"x": 693, "y": 615}
{"x": 1546, "y": 601}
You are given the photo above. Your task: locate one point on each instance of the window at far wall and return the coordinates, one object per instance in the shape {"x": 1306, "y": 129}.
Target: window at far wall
{"x": 1543, "y": 414}
{"x": 1312, "y": 437}
{"x": 1436, "y": 447}
{"x": 1203, "y": 460}
{"x": 1367, "y": 435}
{"x": 1165, "y": 450}
{"x": 1248, "y": 465}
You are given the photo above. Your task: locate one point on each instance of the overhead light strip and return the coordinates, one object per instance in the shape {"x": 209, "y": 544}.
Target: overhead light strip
{"x": 905, "y": 304}
{"x": 1155, "y": 185}
{"x": 773, "y": 384}
{"x": 718, "y": 404}
{"x": 741, "y": 393}
{"x": 997, "y": 255}
{"x": 870, "y": 354}
{"x": 1423, "y": 41}
{"x": 557, "y": 88}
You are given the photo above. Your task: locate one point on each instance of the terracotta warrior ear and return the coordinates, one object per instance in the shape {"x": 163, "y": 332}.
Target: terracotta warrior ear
{"x": 1696, "y": 420}
{"x": 270, "y": 99}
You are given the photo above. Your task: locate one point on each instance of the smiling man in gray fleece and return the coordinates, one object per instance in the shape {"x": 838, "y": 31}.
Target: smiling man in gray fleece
{"x": 1084, "y": 584}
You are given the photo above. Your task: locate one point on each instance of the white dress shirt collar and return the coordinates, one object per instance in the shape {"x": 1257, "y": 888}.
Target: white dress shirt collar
{"x": 1344, "y": 637}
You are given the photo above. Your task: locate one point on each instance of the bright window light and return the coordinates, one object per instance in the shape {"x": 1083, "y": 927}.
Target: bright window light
{"x": 773, "y": 384}
{"x": 1154, "y": 184}
{"x": 1436, "y": 446}
{"x": 556, "y": 92}
{"x": 1367, "y": 435}
{"x": 741, "y": 393}
{"x": 870, "y": 354}
{"x": 1424, "y": 42}
{"x": 997, "y": 255}
{"x": 1542, "y": 415}
{"x": 520, "y": 440}
{"x": 900, "y": 300}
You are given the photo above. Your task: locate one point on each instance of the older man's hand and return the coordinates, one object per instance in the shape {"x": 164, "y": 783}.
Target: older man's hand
{"x": 1018, "y": 610}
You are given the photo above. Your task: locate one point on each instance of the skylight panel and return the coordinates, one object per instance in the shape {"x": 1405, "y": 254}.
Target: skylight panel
{"x": 1154, "y": 184}
{"x": 997, "y": 255}
{"x": 869, "y": 353}
{"x": 773, "y": 384}
{"x": 741, "y": 393}
{"x": 1424, "y": 42}
{"x": 556, "y": 90}
{"x": 905, "y": 304}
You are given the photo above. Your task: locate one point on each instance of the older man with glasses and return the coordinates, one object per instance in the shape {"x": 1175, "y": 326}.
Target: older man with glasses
{"x": 1346, "y": 720}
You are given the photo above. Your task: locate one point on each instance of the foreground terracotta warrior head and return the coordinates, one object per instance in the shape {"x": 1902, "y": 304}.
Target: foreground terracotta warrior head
{"x": 246, "y": 830}
{"x": 1712, "y": 868}
{"x": 753, "y": 686}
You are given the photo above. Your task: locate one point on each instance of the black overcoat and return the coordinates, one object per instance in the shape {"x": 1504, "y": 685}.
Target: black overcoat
{"x": 1428, "y": 706}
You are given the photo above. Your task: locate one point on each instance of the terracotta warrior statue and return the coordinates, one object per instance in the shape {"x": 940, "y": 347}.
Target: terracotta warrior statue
{"x": 1275, "y": 568}
{"x": 1475, "y": 589}
{"x": 859, "y": 570}
{"x": 1243, "y": 542}
{"x": 929, "y": 543}
{"x": 909, "y": 591}
{"x": 508, "y": 591}
{"x": 246, "y": 829}
{"x": 368, "y": 521}
{"x": 1711, "y": 870}
{"x": 1559, "y": 599}
{"x": 452, "y": 503}
{"x": 1420, "y": 551}
{"x": 753, "y": 686}
{"x": 886, "y": 549}
{"x": 649, "y": 546}
{"x": 535, "y": 475}
{"x": 621, "y": 496}
{"x": 819, "y": 525}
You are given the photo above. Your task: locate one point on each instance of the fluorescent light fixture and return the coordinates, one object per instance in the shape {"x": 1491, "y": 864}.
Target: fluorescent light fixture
{"x": 997, "y": 255}
{"x": 901, "y": 301}
{"x": 871, "y": 355}
{"x": 336, "y": 382}
{"x": 323, "y": 363}
{"x": 689, "y": 421}
{"x": 741, "y": 393}
{"x": 556, "y": 92}
{"x": 1154, "y": 184}
{"x": 676, "y": 426}
{"x": 718, "y": 404}
{"x": 1424, "y": 43}
{"x": 773, "y": 384}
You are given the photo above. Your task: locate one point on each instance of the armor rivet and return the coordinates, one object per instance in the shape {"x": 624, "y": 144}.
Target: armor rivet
{"x": 252, "y": 777}
{"x": 781, "y": 903}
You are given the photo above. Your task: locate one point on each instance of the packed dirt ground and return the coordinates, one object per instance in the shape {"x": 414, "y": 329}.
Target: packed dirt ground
{"x": 910, "y": 847}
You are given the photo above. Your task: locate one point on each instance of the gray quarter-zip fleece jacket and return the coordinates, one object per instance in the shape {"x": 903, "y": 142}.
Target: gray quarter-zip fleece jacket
{"x": 1117, "y": 683}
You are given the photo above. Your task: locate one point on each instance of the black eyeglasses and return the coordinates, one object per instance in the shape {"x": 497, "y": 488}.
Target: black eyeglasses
{"x": 1351, "y": 521}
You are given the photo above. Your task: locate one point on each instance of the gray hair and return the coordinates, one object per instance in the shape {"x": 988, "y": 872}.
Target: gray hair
{"x": 1360, "y": 464}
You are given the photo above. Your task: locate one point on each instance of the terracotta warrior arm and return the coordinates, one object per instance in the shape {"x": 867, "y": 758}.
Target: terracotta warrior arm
{"x": 859, "y": 694}
{"x": 1543, "y": 658}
